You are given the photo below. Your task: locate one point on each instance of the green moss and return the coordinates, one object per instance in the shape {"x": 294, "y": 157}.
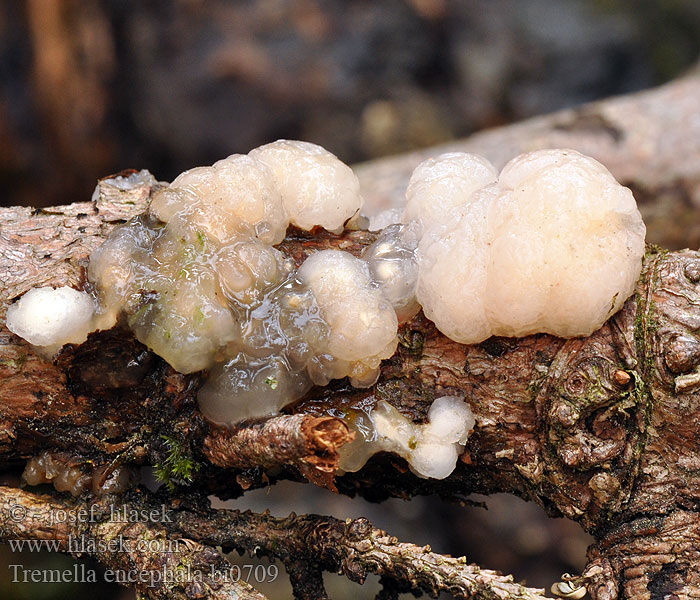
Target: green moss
{"x": 413, "y": 341}
{"x": 634, "y": 395}
{"x": 646, "y": 321}
{"x": 645, "y": 328}
{"x": 638, "y": 391}
{"x": 14, "y": 363}
{"x": 533, "y": 388}
{"x": 654, "y": 250}
{"x": 201, "y": 241}
{"x": 178, "y": 467}
{"x": 596, "y": 391}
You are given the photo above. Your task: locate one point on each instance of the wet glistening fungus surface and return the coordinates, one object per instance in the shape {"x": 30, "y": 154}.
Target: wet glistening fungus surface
{"x": 553, "y": 244}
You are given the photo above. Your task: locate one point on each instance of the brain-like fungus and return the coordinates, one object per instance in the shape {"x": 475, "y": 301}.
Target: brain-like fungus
{"x": 316, "y": 188}
{"x": 361, "y": 322}
{"x": 202, "y": 284}
{"x": 554, "y": 244}
{"x": 439, "y": 185}
{"x": 431, "y": 449}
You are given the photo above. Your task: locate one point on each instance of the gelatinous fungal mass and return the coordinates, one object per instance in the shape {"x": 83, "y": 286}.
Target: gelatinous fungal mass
{"x": 316, "y": 188}
{"x": 361, "y": 322}
{"x": 57, "y": 469}
{"x": 554, "y": 245}
{"x": 431, "y": 449}
{"x": 202, "y": 284}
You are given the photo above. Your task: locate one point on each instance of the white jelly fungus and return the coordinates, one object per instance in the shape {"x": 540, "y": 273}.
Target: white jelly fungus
{"x": 431, "y": 449}
{"x": 393, "y": 267}
{"x": 202, "y": 285}
{"x": 49, "y": 318}
{"x": 441, "y": 184}
{"x": 316, "y": 188}
{"x": 554, "y": 246}
{"x": 379, "y": 221}
{"x": 362, "y": 323}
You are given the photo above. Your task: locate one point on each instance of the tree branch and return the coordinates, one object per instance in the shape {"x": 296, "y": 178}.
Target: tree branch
{"x": 172, "y": 555}
{"x": 601, "y": 429}
{"x": 159, "y": 566}
{"x": 309, "y": 443}
{"x": 353, "y": 548}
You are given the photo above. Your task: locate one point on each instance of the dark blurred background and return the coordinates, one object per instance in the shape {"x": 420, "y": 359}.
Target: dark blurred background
{"x": 88, "y": 88}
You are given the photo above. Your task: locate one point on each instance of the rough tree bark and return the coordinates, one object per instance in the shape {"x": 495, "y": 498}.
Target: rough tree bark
{"x": 603, "y": 430}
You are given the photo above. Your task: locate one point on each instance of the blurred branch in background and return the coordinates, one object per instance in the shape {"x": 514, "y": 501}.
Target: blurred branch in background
{"x": 73, "y": 57}
{"x": 90, "y": 87}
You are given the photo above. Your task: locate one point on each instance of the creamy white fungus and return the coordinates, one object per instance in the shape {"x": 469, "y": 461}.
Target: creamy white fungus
{"x": 48, "y": 318}
{"x": 316, "y": 187}
{"x": 390, "y": 216}
{"x": 236, "y": 195}
{"x": 431, "y": 449}
{"x": 441, "y": 184}
{"x": 554, "y": 246}
{"x": 362, "y": 323}
{"x": 262, "y": 192}
{"x": 201, "y": 283}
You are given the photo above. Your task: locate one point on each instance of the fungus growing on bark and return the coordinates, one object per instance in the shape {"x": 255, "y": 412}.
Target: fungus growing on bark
{"x": 431, "y": 449}
{"x": 316, "y": 188}
{"x": 202, "y": 284}
{"x": 554, "y": 244}
{"x": 361, "y": 322}
{"x": 50, "y": 318}
{"x": 392, "y": 264}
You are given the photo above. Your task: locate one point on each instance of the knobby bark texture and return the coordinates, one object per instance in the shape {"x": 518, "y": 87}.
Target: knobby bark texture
{"x": 182, "y": 541}
{"x": 603, "y": 430}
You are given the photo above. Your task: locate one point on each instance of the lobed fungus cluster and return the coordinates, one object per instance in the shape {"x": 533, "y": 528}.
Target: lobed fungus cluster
{"x": 431, "y": 449}
{"x": 202, "y": 284}
{"x": 56, "y": 469}
{"x": 553, "y": 244}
